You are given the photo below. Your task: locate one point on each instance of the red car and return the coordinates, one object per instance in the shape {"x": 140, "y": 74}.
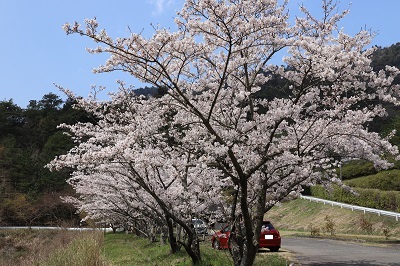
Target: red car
{"x": 269, "y": 238}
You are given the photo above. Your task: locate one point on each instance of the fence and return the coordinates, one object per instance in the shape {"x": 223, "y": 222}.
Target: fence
{"x": 353, "y": 207}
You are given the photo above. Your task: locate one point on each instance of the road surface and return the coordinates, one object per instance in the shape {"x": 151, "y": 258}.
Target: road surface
{"x": 311, "y": 251}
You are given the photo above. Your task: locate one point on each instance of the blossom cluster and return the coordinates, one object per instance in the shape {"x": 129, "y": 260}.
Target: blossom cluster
{"x": 211, "y": 134}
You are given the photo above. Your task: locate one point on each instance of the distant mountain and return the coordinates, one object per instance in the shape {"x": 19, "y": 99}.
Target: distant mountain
{"x": 147, "y": 91}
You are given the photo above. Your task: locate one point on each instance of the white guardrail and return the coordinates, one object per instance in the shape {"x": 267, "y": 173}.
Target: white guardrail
{"x": 353, "y": 207}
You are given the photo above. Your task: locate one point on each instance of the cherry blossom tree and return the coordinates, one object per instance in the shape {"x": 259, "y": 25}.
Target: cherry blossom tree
{"x": 127, "y": 167}
{"x": 223, "y": 53}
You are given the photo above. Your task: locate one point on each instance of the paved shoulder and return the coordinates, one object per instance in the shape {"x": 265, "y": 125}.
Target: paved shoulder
{"x": 310, "y": 251}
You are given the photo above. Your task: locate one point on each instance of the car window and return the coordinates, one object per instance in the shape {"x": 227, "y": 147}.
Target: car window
{"x": 197, "y": 222}
{"x": 267, "y": 225}
{"x": 225, "y": 229}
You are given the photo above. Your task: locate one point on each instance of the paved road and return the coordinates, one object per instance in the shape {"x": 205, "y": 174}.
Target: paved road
{"x": 310, "y": 251}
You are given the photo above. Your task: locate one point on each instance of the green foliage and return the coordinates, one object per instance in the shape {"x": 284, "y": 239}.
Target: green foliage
{"x": 371, "y": 198}
{"x": 19, "y": 209}
{"x": 31, "y": 143}
{"x": 381, "y": 57}
{"x": 10, "y": 118}
{"x": 385, "y": 180}
{"x": 393, "y": 124}
{"x": 30, "y": 139}
{"x": 357, "y": 168}
{"x": 386, "y": 56}
{"x": 15, "y": 210}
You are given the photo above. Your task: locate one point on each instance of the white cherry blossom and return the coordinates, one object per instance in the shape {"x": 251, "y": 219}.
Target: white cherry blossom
{"x": 217, "y": 133}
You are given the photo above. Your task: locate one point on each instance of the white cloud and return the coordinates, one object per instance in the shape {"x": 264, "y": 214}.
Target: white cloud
{"x": 160, "y": 5}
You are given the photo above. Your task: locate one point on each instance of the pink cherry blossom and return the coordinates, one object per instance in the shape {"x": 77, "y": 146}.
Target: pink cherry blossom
{"x": 210, "y": 134}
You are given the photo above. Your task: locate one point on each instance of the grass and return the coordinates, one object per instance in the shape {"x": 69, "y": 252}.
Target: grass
{"x": 49, "y": 247}
{"x": 84, "y": 250}
{"x": 93, "y": 248}
{"x": 302, "y": 216}
{"x": 122, "y": 249}
{"x": 298, "y": 217}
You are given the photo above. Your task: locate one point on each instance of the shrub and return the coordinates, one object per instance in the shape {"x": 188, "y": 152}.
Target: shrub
{"x": 387, "y": 232}
{"x": 371, "y": 198}
{"x": 365, "y": 225}
{"x": 357, "y": 168}
{"x": 385, "y": 180}
{"x": 329, "y": 225}
{"x": 315, "y": 231}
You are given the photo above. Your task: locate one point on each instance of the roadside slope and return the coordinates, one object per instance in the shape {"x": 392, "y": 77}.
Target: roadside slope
{"x": 302, "y": 215}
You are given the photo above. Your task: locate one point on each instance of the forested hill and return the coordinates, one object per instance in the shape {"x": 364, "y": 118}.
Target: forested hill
{"x": 29, "y": 139}
{"x": 386, "y": 56}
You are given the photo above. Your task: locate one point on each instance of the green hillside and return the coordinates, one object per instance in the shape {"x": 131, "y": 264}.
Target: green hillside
{"x": 305, "y": 216}
{"x": 385, "y": 180}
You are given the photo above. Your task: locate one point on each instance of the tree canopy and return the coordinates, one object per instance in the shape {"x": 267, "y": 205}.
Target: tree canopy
{"x": 210, "y": 70}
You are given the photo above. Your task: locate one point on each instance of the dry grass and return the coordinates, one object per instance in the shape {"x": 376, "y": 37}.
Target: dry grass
{"x": 301, "y": 215}
{"x": 41, "y": 247}
{"x": 24, "y": 246}
{"x": 84, "y": 250}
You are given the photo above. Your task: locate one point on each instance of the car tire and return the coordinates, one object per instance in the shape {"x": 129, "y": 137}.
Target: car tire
{"x": 274, "y": 249}
{"x": 216, "y": 244}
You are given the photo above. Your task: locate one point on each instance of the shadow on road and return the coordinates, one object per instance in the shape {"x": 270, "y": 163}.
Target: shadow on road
{"x": 266, "y": 250}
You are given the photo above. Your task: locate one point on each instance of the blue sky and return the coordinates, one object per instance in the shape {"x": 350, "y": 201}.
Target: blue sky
{"x": 35, "y": 52}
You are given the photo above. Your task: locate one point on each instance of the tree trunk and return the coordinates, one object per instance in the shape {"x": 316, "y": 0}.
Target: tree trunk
{"x": 243, "y": 249}
{"x": 243, "y": 252}
{"x": 172, "y": 239}
{"x": 192, "y": 247}
{"x": 164, "y": 235}
{"x": 194, "y": 253}
{"x": 249, "y": 254}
